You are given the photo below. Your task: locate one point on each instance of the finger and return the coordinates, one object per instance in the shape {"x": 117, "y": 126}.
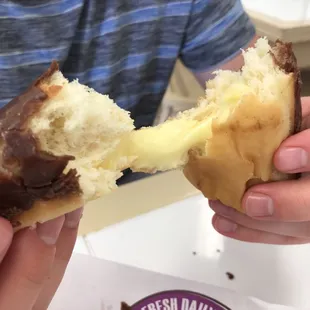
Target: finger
{"x": 27, "y": 265}
{"x": 294, "y": 153}
{"x": 239, "y": 232}
{"x": 279, "y": 201}
{"x": 64, "y": 248}
{"x": 293, "y": 229}
{"x": 6, "y": 236}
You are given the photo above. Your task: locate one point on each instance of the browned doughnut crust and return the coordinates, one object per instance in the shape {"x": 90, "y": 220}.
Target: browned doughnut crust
{"x": 203, "y": 172}
{"x": 43, "y": 211}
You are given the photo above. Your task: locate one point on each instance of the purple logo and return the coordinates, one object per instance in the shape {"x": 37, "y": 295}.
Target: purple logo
{"x": 178, "y": 300}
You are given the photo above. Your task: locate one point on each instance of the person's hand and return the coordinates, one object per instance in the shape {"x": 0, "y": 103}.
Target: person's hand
{"x": 34, "y": 260}
{"x": 279, "y": 212}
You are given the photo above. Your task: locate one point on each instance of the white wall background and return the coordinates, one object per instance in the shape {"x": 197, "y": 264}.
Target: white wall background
{"x": 288, "y": 10}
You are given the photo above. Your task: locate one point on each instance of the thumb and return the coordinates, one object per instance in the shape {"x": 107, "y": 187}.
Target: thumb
{"x": 27, "y": 265}
{"x": 293, "y": 155}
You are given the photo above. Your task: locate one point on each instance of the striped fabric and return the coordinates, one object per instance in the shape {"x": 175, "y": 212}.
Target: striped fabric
{"x": 126, "y": 48}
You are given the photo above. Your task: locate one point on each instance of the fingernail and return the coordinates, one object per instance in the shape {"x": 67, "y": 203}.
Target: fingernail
{"x": 73, "y": 218}
{"x": 225, "y": 226}
{"x": 257, "y": 205}
{"x": 49, "y": 231}
{"x": 292, "y": 159}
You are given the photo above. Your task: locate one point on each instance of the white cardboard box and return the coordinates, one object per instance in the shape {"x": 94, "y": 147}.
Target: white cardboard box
{"x": 96, "y": 284}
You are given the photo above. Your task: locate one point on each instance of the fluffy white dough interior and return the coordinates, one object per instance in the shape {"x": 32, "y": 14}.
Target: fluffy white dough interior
{"x": 259, "y": 76}
{"x": 80, "y": 122}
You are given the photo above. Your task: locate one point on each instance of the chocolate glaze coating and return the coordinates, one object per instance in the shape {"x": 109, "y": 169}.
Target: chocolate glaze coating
{"x": 284, "y": 57}
{"x": 27, "y": 173}
{"x": 125, "y": 306}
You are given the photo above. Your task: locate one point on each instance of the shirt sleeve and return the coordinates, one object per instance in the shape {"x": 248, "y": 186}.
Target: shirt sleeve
{"x": 216, "y": 31}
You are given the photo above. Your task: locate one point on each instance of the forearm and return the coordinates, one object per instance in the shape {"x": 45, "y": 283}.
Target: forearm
{"x": 233, "y": 65}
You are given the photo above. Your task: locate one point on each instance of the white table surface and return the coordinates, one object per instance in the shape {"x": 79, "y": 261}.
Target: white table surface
{"x": 179, "y": 240}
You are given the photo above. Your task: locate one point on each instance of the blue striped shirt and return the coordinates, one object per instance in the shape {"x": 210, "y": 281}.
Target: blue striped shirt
{"x": 124, "y": 48}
